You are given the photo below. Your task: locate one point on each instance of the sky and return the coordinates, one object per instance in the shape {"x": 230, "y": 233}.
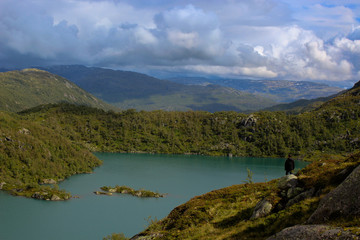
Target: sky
{"x": 316, "y": 40}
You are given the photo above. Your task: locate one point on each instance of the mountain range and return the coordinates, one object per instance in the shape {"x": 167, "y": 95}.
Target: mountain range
{"x": 126, "y": 90}
{"x": 131, "y": 90}
{"x": 282, "y": 91}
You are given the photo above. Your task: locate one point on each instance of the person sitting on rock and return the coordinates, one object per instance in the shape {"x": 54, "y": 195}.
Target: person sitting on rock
{"x": 289, "y": 165}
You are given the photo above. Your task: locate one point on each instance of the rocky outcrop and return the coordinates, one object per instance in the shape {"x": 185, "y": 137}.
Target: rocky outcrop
{"x": 262, "y": 209}
{"x": 103, "y": 193}
{"x": 343, "y": 201}
{"x": 48, "y": 181}
{"x": 287, "y": 182}
{"x": 302, "y": 196}
{"x": 147, "y": 237}
{"x": 313, "y": 232}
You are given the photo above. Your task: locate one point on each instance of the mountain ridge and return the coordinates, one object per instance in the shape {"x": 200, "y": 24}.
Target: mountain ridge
{"x": 27, "y": 88}
{"x": 283, "y": 91}
{"x": 127, "y": 89}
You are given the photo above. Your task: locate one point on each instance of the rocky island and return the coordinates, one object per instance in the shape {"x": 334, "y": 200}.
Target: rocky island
{"x": 128, "y": 190}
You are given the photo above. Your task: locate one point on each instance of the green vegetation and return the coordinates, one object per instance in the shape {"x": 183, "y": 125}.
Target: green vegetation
{"x": 32, "y": 154}
{"x": 226, "y": 213}
{"x": 28, "y": 88}
{"x": 332, "y": 128}
{"x": 131, "y": 191}
{"x": 115, "y": 236}
{"x": 53, "y": 141}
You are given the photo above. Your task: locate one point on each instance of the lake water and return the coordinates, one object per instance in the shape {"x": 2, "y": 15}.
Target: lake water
{"x": 95, "y": 216}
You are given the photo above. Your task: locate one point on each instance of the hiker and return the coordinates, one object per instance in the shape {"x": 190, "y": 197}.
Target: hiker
{"x": 289, "y": 165}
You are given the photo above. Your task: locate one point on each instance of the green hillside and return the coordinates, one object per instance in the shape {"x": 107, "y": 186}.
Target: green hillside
{"x": 330, "y": 128}
{"x": 31, "y": 154}
{"x": 300, "y": 106}
{"x": 28, "y": 88}
{"x": 128, "y": 90}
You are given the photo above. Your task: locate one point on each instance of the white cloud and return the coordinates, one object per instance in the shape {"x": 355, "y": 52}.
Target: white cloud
{"x": 281, "y": 39}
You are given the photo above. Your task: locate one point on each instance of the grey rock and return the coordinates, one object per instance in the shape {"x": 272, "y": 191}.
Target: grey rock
{"x": 288, "y": 181}
{"x": 301, "y": 196}
{"x": 2, "y": 185}
{"x": 313, "y": 232}
{"x": 147, "y": 237}
{"x": 343, "y": 201}
{"x": 262, "y": 209}
{"x": 55, "y": 198}
{"x": 294, "y": 191}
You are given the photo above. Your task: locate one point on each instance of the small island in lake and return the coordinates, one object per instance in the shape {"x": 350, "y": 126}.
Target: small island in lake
{"x": 128, "y": 190}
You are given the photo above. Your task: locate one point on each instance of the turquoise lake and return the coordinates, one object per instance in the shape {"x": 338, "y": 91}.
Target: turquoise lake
{"x": 95, "y": 216}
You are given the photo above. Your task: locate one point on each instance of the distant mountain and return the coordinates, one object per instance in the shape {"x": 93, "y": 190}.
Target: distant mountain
{"x": 278, "y": 90}
{"x": 127, "y": 90}
{"x": 300, "y": 106}
{"x": 28, "y": 88}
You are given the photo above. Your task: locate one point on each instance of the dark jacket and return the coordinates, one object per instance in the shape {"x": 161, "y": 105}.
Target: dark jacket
{"x": 289, "y": 164}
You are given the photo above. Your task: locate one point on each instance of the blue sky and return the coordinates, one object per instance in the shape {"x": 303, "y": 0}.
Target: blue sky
{"x": 273, "y": 39}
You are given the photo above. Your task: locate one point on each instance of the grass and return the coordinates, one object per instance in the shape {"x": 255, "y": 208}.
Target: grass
{"x": 225, "y": 213}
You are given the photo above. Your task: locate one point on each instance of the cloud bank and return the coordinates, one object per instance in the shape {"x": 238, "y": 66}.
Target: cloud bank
{"x": 260, "y": 39}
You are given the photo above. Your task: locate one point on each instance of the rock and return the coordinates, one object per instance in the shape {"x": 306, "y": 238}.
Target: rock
{"x": 301, "y": 196}
{"x": 48, "y": 181}
{"x": 8, "y": 139}
{"x": 262, "y": 209}
{"x": 38, "y": 195}
{"x": 343, "y": 201}
{"x": 313, "y": 232}
{"x": 24, "y": 131}
{"x": 2, "y": 185}
{"x": 55, "y": 198}
{"x": 147, "y": 237}
{"x": 288, "y": 181}
{"x": 112, "y": 190}
{"x": 103, "y": 193}
{"x": 293, "y": 192}
{"x": 250, "y": 121}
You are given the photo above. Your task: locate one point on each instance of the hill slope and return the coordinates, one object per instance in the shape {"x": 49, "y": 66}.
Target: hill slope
{"x": 28, "y": 88}
{"x": 31, "y": 154}
{"x": 278, "y": 90}
{"x": 332, "y": 128}
{"x": 320, "y": 202}
{"x": 134, "y": 90}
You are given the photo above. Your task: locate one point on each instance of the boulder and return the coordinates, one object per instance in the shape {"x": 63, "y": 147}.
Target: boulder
{"x": 288, "y": 181}
{"x": 2, "y": 185}
{"x": 301, "y": 196}
{"x": 313, "y": 232}
{"x": 262, "y": 209}
{"x": 55, "y": 198}
{"x": 293, "y": 192}
{"x": 343, "y": 201}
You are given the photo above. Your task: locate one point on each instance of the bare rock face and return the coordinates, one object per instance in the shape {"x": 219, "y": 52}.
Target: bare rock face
{"x": 343, "y": 201}
{"x": 313, "y": 232}
{"x": 262, "y": 209}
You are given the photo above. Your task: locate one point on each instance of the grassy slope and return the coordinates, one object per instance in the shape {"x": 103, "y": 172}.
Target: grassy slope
{"x": 225, "y": 213}
{"x": 28, "y": 88}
